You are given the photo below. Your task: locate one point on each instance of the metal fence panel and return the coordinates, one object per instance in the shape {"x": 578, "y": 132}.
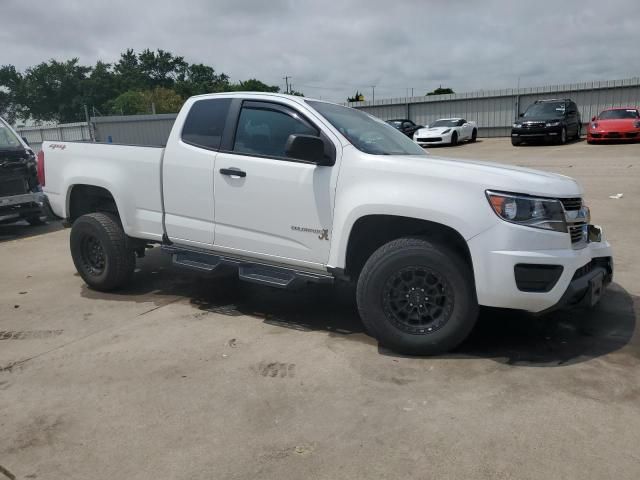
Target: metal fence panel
{"x": 79, "y": 132}
{"x": 152, "y": 130}
{"x": 494, "y": 111}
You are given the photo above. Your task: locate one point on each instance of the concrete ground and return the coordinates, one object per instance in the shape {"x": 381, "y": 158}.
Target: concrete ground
{"x": 180, "y": 377}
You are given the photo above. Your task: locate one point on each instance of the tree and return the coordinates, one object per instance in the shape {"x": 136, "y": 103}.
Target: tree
{"x": 101, "y": 86}
{"x": 441, "y": 91}
{"x": 54, "y": 91}
{"x": 135, "y": 102}
{"x": 358, "y": 97}
{"x": 201, "y": 79}
{"x": 253, "y": 85}
{"x": 10, "y": 82}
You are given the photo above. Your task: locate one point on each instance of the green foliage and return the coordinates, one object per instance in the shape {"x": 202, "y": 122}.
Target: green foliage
{"x": 134, "y": 102}
{"x": 252, "y": 85}
{"x": 358, "y": 97}
{"x": 59, "y": 90}
{"x": 441, "y": 91}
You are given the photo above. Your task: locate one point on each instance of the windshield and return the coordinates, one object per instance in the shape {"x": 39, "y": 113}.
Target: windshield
{"x": 552, "y": 109}
{"x": 444, "y": 123}
{"x": 8, "y": 139}
{"x": 368, "y": 134}
{"x": 395, "y": 123}
{"x": 618, "y": 114}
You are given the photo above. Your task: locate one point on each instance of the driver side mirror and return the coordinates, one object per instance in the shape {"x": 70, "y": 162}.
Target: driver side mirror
{"x": 24, "y": 139}
{"x": 593, "y": 119}
{"x": 521, "y": 115}
{"x": 307, "y": 147}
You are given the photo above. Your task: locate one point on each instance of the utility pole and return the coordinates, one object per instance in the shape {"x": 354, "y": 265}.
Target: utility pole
{"x": 286, "y": 81}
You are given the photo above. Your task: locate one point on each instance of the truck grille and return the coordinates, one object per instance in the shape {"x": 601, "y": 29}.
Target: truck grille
{"x": 533, "y": 125}
{"x": 571, "y": 203}
{"x": 576, "y": 232}
{"x": 13, "y": 186}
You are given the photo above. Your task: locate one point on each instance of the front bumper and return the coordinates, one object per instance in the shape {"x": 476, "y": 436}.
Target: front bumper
{"x": 605, "y": 136}
{"x": 425, "y": 141}
{"x": 18, "y": 205}
{"x": 536, "y": 133}
{"x": 496, "y": 253}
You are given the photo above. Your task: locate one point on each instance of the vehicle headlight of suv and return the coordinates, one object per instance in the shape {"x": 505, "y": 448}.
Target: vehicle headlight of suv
{"x": 446, "y": 131}
{"x": 545, "y": 213}
{"x": 517, "y": 125}
{"x": 553, "y": 124}
{"x": 636, "y": 124}
{"x": 594, "y": 125}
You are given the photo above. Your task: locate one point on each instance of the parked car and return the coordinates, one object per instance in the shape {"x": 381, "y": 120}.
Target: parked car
{"x": 20, "y": 193}
{"x": 548, "y": 120}
{"x": 291, "y": 190}
{"x": 448, "y": 131}
{"x": 405, "y": 126}
{"x": 621, "y": 123}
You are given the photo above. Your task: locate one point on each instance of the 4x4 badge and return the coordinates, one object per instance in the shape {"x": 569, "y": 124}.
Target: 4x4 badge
{"x": 324, "y": 235}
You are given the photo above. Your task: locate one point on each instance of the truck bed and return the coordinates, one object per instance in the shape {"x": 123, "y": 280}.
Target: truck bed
{"x": 130, "y": 173}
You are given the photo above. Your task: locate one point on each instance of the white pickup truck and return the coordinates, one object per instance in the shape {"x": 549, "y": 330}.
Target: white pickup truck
{"x": 292, "y": 190}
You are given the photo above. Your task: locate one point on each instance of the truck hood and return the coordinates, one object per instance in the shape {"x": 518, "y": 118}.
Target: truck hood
{"x": 494, "y": 176}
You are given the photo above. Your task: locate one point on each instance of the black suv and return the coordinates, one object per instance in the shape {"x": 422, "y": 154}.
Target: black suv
{"x": 556, "y": 120}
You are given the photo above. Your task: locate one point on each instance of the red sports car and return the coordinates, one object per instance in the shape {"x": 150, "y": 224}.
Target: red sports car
{"x": 621, "y": 123}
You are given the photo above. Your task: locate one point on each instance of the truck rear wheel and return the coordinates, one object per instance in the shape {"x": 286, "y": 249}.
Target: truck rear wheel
{"x": 99, "y": 251}
{"x": 417, "y": 297}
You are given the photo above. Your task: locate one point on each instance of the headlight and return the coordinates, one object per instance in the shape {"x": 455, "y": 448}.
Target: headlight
{"x": 517, "y": 125}
{"x": 446, "y": 131}
{"x": 529, "y": 211}
{"x": 636, "y": 124}
{"x": 594, "y": 125}
{"x": 553, "y": 124}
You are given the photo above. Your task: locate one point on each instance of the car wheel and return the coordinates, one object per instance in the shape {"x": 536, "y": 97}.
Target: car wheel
{"x": 35, "y": 220}
{"x": 454, "y": 139}
{"x": 577, "y": 137}
{"x": 417, "y": 297}
{"x": 99, "y": 251}
{"x": 474, "y": 135}
{"x": 563, "y": 136}
{"x": 516, "y": 142}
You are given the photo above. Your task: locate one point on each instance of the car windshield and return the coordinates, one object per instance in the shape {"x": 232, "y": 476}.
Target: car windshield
{"x": 8, "y": 140}
{"x": 552, "y": 109}
{"x": 395, "y": 123}
{"x": 444, "y": 123}
{"x": 365, "y": 132}
{"x": 618, "y": 114}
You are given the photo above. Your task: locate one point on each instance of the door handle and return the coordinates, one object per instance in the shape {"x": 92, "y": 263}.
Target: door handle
{"x": 233, "y": 172}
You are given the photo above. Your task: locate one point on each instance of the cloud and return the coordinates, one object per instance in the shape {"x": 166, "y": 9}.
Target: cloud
{"x": 332, "y": 48}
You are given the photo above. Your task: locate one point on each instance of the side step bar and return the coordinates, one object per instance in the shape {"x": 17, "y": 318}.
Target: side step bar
{"x": 263, "y": 274}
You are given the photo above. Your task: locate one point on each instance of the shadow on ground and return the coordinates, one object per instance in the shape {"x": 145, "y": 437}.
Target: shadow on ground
{"x": 21, "y": 229}
{"x": 511, "y": 337}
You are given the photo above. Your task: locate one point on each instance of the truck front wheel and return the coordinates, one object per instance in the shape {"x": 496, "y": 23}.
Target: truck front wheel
{"x": 417, "y": 297}
{"x": 99, "y": 251}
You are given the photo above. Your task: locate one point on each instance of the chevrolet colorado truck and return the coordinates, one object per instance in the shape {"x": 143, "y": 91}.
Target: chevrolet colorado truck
{"x": 20, "y": 192}
{"x": 291, "y": 190}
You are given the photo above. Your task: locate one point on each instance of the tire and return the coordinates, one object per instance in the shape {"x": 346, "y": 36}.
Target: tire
{"x": 407, "y": 265}
{"x": 516, "y": 142}
{"x": 454, "y": 139}
{"x": 35, "y": 220}
{"x": 562, "y": 139}
{"x": 577, "y": 137}
{"x": 99, "y": 251}
{"x": 590, "y": 142}
{"x": 474, "y": 135}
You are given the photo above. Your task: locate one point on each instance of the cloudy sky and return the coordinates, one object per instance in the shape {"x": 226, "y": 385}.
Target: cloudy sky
{"x": 331, "y": 48}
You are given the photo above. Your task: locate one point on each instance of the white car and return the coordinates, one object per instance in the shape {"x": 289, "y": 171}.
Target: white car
{"x": 290, "y": 190}
{"x": 446, "y": 131}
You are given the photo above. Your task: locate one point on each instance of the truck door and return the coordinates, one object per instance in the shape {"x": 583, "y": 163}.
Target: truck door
{"x": 266, "y": 203}
{"x": 187, "y": 172}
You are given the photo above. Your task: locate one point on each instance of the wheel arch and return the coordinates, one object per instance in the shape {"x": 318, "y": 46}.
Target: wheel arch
{"x": 370, "y": 232}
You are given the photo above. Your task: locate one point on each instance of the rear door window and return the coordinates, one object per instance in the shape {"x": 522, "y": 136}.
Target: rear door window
{"x": 205, "y": 123}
